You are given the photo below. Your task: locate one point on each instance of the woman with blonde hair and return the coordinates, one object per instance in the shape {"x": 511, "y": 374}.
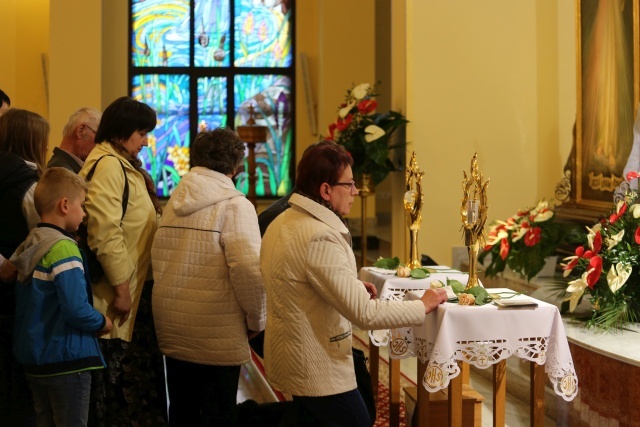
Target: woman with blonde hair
{"x": 24, "y": 136}
{"x": 122, "y": 216}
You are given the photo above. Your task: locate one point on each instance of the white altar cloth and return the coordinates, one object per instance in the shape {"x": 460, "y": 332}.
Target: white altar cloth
{"x": 479, "y": 335}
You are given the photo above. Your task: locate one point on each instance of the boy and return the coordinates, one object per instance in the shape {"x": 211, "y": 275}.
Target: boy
{"x": 56, "y": 326}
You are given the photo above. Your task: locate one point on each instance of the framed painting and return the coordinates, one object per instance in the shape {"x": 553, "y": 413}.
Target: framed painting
{"x": 608, "y": 96}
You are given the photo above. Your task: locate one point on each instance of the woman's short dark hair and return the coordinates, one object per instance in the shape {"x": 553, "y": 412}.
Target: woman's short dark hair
{"x": 123, "y": 117}
{"x": 321, "y": 162}
{"x": 220, "y": 150}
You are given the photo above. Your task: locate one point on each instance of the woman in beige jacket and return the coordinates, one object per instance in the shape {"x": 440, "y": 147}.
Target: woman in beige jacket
{"x": 313, "y": 293}
{"x": 120, "y": 231}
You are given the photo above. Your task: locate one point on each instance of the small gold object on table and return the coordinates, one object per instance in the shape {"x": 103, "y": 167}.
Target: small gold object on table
{"x": 252, "y": 134}
{"x": 413, "y": 206}
{"x": 473, "y": 213}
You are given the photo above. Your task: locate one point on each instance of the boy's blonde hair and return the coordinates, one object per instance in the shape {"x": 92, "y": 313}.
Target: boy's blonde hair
{"x": 54, "y": 185}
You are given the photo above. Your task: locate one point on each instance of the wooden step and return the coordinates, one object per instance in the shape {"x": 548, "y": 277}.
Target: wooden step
{"x": 438, "y": 408}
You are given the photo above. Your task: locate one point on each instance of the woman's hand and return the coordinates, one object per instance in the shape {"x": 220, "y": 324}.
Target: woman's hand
{"x": 432, "y": 298}
{"x": 371, "y": 288}
{"x": 122, "y": 302}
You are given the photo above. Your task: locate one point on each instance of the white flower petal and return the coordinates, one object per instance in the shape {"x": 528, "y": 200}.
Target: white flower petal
{"x": 344, "y": 112}
{"x": 373, "y": 132}
{"x": 360, "y": 91}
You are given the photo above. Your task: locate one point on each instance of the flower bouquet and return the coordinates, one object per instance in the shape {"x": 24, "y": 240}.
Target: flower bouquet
{"x": 524, "y": 241}
{"x": 365, "y": 134}
{"x": 607, "y": 266}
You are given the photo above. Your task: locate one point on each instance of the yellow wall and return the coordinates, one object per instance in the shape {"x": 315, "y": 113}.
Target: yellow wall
{"x": 75, "y": 72}
{"x": 485, "y": 77}
{"x": 23, "y": 43}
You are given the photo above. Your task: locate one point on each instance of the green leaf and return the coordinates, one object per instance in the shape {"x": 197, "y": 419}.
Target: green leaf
{"x": 387, "y": 263}
{"x": 420, "y": 273}
{"x": 457, "y": 286}
{"x": 480, "y": 293}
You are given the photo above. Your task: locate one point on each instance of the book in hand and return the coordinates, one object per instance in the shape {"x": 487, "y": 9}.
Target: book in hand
{"x": 517, "y": 303}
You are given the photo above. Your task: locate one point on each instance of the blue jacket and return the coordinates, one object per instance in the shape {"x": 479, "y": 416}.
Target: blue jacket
{"x": 56, "y": 325}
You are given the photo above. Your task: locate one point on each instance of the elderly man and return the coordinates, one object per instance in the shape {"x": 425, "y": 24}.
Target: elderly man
{"x": 77, "y": 140}
{"x": 5, "y": 102}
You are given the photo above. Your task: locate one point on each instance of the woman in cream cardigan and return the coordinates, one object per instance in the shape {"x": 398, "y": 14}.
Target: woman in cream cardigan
{"x": 131, "y": 390}
{"x": 314, "y": 295}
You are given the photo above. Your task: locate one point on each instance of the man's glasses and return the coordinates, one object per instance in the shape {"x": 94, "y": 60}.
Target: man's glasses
{"x": 90, "y": 128}
{"x": 351, "y": 185}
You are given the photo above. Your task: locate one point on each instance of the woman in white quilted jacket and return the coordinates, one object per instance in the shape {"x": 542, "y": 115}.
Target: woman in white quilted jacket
{"x": 314, "y": 295}
{"x": 208, "y": 298}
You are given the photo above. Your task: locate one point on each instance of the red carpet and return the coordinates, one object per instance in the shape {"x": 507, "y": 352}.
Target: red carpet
{"x": 382, "y": 419}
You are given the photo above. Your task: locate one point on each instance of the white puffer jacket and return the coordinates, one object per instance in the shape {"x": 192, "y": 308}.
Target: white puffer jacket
{"x": 208, "y": 290}
{"x": 313, "y": 295}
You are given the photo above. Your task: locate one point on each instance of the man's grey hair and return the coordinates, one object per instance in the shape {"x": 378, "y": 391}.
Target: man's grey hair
{"x": 91, "y": 116}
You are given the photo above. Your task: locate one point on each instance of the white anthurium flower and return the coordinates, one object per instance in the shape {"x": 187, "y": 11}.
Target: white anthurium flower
{"x": 373, "y": 132}
{"x": 614, "y": 240}
{"x": 360, "y": 91}
{"x": 344, "y": 111}
{"x": 492, "y": 240}
{"x": 618, "y": 276}
{"x": 542, "y": 205}
{"x": 635, "y": 210}
{"x": 543, "y": 216}
{"x": 519, "y": 234}
{"x": 403, "y": 271}
{"x": 577, "y": 288}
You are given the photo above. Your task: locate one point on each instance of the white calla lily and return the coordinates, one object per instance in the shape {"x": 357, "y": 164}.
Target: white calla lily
{"x": 345, "y": 110}
{"x": 635, "y": 210}
{"x": 373, "y": 132}
{"x": 577, "y": 288}
{"x": 360, "y": 91}
{"x": 618, "y": 276}
{"x": 614, "y": 240}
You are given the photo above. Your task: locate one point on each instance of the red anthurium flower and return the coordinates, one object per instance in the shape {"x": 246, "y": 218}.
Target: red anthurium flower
{"x": 595, "y": 264}
{"x": 342, "y": 124}
{"x": 588, "y": 254}
{"x": 632, "y": 175}
{"x": 571, "y": 265}
{"x": 367, "y": 106}
{"x": 616, "y": 216}
{"x": 580, "y": 251}
{"x": 597, "y": 242}
{"x": 533, "y": 236}
{"x": 504, "y": 249}
{"x": 637, "y": 236}
{"x": 332, "y": 130}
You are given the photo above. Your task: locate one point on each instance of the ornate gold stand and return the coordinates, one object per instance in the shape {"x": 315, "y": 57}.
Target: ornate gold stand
{"x": 366, "y": 188}
{"x": 473, "y": 213}
{"x": 413, "y": 207}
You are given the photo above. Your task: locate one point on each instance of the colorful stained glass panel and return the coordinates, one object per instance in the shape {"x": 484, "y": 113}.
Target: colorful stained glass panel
{"x": 212, "y": 102}
{"x": 270, "y": 96}
{"x": 161, "y": 33}
{"x": 263, "y": 33}
{"x": 211, "y": 41}
{"x": 167, "y": 156}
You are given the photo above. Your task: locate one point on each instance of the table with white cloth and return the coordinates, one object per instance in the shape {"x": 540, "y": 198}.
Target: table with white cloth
{"x": 484, "y": 336}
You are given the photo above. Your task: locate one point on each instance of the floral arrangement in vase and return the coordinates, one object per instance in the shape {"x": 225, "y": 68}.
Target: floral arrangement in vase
{"x": 524, "y": 241}
{"x": 366, "y": 134}
{"x": 606, "y": 267}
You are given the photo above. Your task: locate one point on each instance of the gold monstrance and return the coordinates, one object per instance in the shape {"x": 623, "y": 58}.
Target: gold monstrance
{"x": 473, "y": 213}
{"x": 412, "y": 206}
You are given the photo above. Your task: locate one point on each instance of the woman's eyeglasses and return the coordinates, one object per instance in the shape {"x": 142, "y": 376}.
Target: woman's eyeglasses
{"x": 351, "y": 185}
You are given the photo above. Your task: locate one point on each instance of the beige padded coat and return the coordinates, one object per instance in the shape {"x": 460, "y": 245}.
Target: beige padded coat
{"x": 313, "y": 296}
{"x": 208, "y": 289}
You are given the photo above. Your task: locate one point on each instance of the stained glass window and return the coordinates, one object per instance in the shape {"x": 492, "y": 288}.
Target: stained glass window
{"x": 203, "y": 63}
